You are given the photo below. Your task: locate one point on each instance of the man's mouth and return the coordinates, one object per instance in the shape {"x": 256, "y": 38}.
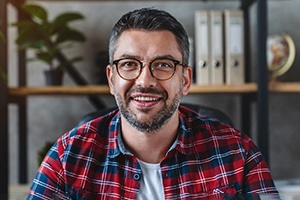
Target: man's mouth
{"x": 146, "y": 97}
{"x": 143, "y": 98}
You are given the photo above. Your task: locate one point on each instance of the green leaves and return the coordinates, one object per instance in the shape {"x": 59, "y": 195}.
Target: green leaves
{"x": 47, "y": 37}
{"x": 36, "y": 12}
{"x": 69, "y": 34}
{"x": 30, "y": 35}
{"x": 63, "y": 31}
{"x": 69, "y": 62}
{"x": 65, "y": 18}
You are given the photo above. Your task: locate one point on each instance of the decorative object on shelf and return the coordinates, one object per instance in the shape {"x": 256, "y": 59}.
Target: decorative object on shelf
{"x": 53, "y": 77}
{"x": 281, "y": 53}
{"x": 48, "y": 38}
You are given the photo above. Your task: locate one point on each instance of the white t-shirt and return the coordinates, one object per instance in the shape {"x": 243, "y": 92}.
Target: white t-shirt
{"x": 151, "y": 182}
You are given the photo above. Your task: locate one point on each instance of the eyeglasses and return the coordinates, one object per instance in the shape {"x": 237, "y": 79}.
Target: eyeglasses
{"x": 161, "y": 68}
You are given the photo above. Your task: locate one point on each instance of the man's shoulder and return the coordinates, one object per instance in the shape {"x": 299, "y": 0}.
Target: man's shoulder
{"x": 207, "y": 127}
{"x": 208, "y": 134}
{"x": 193, "y": 118}
{"x": 94, "y": 136}
{"x": 99, "y": 127}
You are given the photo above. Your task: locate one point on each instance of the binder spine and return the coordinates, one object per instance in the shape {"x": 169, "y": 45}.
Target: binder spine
{"x": 216, "y": 50}
{"x": 201, "y": 50}
{"x": 234, "y": 47}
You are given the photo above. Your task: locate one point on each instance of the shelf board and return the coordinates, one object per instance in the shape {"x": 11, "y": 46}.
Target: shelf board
{"x": 59, "y": 90}
{"x": 276, "y": 87}
{"x": 224, "y": 89}
{"x": 103, "y": 89}
{"x": 284, "y": 87}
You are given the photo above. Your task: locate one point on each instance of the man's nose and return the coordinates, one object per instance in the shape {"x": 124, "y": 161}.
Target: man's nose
{"x": 146, "y": 79}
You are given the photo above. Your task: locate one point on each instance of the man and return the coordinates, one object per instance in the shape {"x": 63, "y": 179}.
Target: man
{"x": 151, "y": 148}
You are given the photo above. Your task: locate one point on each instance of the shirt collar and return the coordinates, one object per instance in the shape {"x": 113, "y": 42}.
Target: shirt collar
{"x": 116, "y": 144}
{"x": 113, "y": 144}
{"x": 183, "y": 143}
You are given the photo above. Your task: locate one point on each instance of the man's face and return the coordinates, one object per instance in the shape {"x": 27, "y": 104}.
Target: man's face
{"x": 145, "y": 102}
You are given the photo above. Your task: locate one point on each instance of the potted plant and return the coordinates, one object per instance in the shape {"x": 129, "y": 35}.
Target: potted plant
{"x": 48, "y": 38}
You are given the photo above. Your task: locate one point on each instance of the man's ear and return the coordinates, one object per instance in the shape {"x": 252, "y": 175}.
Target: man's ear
{"x": 109, "y": 74}
{"x": 187, "y": 80}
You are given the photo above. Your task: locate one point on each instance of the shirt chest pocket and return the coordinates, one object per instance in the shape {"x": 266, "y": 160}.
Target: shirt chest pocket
{"x": 219, "y": 192}
{"x": 223, "y": 190}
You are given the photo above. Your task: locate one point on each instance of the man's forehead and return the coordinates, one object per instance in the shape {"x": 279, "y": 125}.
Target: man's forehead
{"x": 141, "y": 42}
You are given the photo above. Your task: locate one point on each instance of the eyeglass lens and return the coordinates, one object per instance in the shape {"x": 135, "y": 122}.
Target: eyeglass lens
{"x": 161, "y": 69}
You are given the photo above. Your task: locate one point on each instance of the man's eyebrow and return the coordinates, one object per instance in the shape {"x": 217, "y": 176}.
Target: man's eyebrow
{"x": 168, "y": 56}
{"x": 165, "y": 56}
{"x": 130, "y": 56}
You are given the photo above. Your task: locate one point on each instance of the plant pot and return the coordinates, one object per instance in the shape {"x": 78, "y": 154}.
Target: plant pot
{"x": 54, "y": 77}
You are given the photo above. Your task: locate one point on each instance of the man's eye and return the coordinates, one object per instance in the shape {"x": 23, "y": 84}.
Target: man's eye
{"x": 163, "y": 65}
{"x": 129, "y": 64}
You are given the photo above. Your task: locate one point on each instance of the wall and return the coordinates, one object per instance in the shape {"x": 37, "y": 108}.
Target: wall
{"x": 50, "y": 117}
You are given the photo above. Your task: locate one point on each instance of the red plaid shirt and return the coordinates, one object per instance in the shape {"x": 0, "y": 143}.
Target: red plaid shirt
{"x": 210, "y": 160}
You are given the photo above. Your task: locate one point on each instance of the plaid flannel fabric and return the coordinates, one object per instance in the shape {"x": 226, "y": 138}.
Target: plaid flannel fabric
{"x": 210, "y": 161}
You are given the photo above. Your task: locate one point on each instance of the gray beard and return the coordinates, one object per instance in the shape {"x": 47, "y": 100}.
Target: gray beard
{"x": 158, "y": 120}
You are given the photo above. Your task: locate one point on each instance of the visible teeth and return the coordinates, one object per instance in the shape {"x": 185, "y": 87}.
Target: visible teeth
{"x": 145, "y": 99}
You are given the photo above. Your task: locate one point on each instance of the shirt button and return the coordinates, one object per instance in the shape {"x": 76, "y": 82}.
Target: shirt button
{"x": 136, "y": 177}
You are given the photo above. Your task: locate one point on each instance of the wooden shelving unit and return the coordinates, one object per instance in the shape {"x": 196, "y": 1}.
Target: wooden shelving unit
{"x": 57, "y": 90}
{"x": 102, "y": 89}
{"x": 19, "y": 94}
{"x": 284, "y": 87}
{"x": 248, "y": 88}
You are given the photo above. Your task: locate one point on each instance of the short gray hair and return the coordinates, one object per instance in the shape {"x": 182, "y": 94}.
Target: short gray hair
{"x": 153, "y": 20}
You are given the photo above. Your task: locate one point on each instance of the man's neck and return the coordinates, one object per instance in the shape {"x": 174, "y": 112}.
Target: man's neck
{"x": 150, "y": 147}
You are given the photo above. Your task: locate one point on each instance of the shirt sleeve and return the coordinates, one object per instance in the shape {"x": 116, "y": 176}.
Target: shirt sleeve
{"x": 49, "y": 180}
{"x": 258, "y": 178}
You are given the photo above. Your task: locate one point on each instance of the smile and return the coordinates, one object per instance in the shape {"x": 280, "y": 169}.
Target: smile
{"x": 141, "y": 98}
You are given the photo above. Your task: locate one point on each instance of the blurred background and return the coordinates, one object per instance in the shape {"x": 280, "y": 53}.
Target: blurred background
{"x": 51, "y": 116}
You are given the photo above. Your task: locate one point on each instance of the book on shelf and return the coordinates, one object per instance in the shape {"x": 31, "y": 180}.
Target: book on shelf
{"x": 201, "y": 47}
{"x": 216, "y": 50}
{"x": 234, "y": 47}
{"x": 219, "y": 47}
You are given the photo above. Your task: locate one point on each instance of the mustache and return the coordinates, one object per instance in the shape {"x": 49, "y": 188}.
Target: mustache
{"x": 149, "y": 90}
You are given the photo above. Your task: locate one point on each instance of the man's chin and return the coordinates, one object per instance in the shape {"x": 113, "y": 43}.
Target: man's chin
{"x": 144, "y": 110}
